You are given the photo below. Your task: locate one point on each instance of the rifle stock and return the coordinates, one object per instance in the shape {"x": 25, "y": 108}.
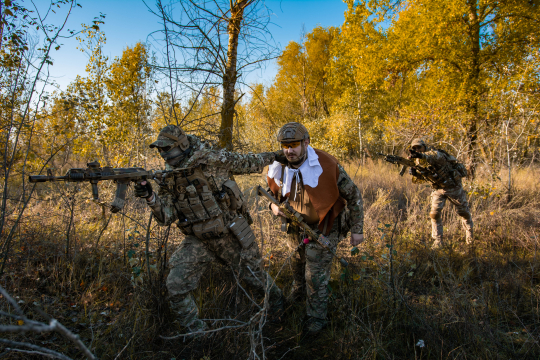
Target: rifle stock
{"x": 297, "y": 219}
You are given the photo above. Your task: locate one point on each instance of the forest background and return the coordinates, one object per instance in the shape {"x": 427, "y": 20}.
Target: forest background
{"x": 462, "y": 74}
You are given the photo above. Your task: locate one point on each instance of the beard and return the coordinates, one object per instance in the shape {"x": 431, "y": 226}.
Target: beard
{"x": 299, "y": 159}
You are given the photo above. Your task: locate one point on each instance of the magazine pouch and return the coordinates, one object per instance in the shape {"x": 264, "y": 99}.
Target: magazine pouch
{"x": 242, "y": 231}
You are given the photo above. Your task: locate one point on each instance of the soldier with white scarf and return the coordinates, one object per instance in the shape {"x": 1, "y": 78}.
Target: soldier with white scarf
{"x": 316, "y": 186}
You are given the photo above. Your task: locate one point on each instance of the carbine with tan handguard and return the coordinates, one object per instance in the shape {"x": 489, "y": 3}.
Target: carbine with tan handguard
{"x": 298, "y": 220}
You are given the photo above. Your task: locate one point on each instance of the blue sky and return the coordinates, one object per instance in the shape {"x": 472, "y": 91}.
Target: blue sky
{"x": 128, "y": 21}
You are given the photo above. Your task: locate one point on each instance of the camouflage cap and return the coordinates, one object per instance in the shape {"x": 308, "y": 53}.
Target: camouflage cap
{"x": 292, "y": 131}
{"x": 171, "y": 135}
{"x": 418, "y": 142}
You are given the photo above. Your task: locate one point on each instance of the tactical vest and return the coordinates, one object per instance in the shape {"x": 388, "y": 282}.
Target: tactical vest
{"x": 205, "y": 210}
{"x": 453, "y": 169}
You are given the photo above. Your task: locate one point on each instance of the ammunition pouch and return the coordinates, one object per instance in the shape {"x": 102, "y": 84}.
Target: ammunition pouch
{"x": 235, "y": 200}
{"x": 242, "y": 231}
{"x": 235, "y": 195}
{"x": 213, "y": 228}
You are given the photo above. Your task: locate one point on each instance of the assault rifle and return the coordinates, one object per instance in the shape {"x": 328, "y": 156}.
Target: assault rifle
{"x": 428, "y": 173}
{"x": 297, "y": 219}
{"x": 95, "y": 173}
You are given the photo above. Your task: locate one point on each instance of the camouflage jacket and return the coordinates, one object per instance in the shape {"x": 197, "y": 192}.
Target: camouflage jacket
{"x": 217, "y": 165}
{"x": 439, "y": 162}
{"x": 350, "y": 192}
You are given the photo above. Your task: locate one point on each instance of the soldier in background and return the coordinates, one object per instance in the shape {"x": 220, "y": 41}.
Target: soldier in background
{"x": 317, "y": 187}
{"x": 207, "y": 206}
{"x": 450, "y": 172}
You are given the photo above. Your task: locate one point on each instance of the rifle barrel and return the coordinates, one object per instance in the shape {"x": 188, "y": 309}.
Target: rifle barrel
{"x": 44, "y": 178}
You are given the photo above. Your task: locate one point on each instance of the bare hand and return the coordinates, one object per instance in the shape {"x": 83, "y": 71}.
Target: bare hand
{"x": 357, "y": 239}
{"x": 276, "y": 211}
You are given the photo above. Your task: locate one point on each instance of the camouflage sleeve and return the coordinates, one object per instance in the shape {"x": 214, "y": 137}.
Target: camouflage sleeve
{"x": 239, "y": 164}
{"x": 163, "y": 208}
{"x": 350, "y": 192}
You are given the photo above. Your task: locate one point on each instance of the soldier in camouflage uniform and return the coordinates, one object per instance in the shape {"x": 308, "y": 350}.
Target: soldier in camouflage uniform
{"x": 450, "y": 173}
{"x": 207, "y": 205}
{"x": 317, "y": 187}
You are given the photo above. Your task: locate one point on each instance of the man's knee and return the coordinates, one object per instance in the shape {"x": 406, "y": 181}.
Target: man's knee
{"x": 179, "y": 284}
{"x": 435, "y": 215}
{"x": 464, "y": 213}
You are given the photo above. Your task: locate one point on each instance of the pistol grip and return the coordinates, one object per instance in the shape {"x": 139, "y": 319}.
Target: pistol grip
{"x": 119, "y": 197}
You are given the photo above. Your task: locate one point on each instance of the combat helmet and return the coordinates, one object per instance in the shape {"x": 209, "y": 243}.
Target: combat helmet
{"x": 292, "y": 131}
{"x": 171, "y": 135}
{"x": 419, "y": 142}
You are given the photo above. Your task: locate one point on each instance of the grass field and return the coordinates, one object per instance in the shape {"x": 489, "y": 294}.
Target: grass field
{"x": 397, "y": 300}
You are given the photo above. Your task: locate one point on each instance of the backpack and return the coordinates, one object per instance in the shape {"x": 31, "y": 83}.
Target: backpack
{"x": 460, "y": 171}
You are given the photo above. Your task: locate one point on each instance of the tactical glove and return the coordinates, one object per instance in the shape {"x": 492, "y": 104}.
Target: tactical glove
{"x": 415, "y": 155}
{"x": 412, "y": 171}
{"x": 143, "y": 191}
{"x": 281, "y": 158}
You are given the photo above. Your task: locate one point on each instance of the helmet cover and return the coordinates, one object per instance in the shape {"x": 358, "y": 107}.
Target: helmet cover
{"x": 292, "y": 131}
{"x": 171, "y": 135}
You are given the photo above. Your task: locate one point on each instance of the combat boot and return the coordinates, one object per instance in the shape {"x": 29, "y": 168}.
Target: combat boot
{"x": 314, "y": 325}
{"x": 196, "y": 329}
{"x": 437, "y": 244}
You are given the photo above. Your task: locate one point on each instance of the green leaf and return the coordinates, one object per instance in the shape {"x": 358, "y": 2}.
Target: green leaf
{"x": 355, "y": 251}
{"x": 131, "y": 253}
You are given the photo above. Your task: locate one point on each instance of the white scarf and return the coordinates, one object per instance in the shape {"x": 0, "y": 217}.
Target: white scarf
{"x": 311, "y": 169}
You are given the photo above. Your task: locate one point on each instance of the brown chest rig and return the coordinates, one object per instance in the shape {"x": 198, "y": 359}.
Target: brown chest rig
{"x": 205, "y": 210}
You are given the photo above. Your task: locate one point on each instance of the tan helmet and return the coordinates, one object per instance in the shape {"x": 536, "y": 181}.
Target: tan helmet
{"x": 418, "y": 142}
{"x": 171, "y": 135}
{"x": 292, "y": 131}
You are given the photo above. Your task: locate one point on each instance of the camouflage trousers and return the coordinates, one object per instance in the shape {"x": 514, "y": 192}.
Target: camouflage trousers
{"x": 311, "y": 265}
{"x": 193, "y": 258}
{"x": 458, "y": 197}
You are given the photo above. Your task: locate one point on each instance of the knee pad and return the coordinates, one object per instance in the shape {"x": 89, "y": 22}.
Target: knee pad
{"x": 464, "y": 214}
{"x": 435, "y": 215}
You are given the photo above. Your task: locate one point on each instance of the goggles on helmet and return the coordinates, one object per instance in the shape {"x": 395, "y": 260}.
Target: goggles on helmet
{"x": 290, "y": 144}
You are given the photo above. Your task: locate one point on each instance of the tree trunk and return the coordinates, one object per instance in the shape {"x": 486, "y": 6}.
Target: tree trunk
{"x": 473, "y": 83}
{"x": 360, "y": 142}
{"x": 230, "y": 76}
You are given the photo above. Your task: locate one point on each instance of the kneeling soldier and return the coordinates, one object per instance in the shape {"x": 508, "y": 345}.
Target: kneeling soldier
{"x": 210, "y": 210}
{"x": 449, "y": 172}
{"x": 317, "y": 187}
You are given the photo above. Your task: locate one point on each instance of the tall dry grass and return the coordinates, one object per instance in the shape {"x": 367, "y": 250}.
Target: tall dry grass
{"x": 396, "y": 296}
